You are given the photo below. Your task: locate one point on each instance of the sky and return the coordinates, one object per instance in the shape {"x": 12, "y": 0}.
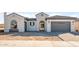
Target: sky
{"x": 32, "y": 14}
{"x": 32, "y": 7}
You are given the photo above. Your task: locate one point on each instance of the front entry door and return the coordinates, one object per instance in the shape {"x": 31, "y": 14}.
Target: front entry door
{"x": 25, "y": 26}
{"x": 42, "y": 26}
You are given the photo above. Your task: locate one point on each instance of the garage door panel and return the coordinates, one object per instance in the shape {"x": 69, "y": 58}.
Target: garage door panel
{"x": 60, "y": 26}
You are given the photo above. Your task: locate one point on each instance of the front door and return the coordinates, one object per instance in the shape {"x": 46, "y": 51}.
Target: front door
{"x": 25, "y": 26}
{"x": 42, "y": 26}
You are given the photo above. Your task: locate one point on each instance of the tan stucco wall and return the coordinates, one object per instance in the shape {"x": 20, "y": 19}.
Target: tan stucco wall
{"x": 77, "y": 25}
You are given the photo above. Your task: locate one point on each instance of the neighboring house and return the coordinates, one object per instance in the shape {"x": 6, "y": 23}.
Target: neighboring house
{"x": 43, "y": 22}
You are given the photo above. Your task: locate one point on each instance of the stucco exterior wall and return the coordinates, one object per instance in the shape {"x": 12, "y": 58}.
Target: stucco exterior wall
{"x": 31, "y": 28}
{"x": 49, "y": 24}
{"x": 6, "y": 28}
{"x": 38, "y": 23}
{"x": 77, "y": 26}
{"x": 41, "y": 18}
{"x": 18, "y": 19}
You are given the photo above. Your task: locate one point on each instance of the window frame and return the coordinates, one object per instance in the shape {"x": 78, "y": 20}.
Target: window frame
{"x": 32, "y": 23}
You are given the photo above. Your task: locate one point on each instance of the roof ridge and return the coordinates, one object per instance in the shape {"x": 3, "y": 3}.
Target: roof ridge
{"x": 62, "y": 16}
{"x": 16, "y": 14}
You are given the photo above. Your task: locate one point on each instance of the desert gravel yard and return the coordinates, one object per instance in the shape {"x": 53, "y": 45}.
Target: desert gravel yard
{"x": 37, "y": 39}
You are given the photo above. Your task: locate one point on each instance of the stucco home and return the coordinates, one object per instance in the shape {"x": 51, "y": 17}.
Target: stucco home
{"x": 42, "y": 22}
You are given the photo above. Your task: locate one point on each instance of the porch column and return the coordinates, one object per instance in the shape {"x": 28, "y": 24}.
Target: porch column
{"x": 72, "y": 26}
{"x": 48, "y": 26}
{"x": 6, "y": 23}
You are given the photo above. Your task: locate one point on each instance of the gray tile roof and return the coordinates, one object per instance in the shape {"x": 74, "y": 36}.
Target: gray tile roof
{"x": 42, "y": 13}
{"x": 16, "y": 14}
{"x": 30, "y": 19}
{"x": 61, "y": 17}
{"x": 50, "y": 17}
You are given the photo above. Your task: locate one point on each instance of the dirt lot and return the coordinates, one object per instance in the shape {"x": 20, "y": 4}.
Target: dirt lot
{"x": 29, "y": 36}
{"x": 39, "y": 39}
{"x": 40, "y": 36}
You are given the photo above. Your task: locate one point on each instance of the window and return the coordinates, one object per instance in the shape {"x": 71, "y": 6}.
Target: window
{"x": 32, "y": 23}
{"x": 13, "y": 24}
{"x": 42, "y": 25}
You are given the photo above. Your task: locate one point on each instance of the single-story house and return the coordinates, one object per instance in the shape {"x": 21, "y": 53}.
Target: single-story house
{"x": 42, "y": 22}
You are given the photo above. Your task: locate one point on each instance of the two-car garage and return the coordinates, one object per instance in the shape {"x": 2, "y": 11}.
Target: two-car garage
{"x": 60, "y": 26}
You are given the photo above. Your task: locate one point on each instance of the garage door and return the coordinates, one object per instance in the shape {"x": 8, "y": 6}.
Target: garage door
{"x": 60, "y": 26}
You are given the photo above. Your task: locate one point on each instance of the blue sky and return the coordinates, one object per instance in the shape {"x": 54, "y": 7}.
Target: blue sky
{"x": 32, "y": 14}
